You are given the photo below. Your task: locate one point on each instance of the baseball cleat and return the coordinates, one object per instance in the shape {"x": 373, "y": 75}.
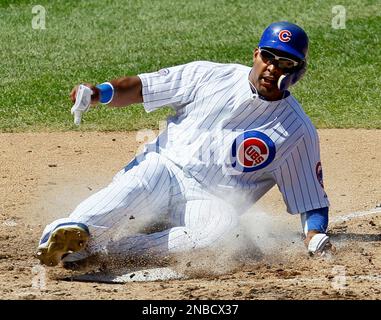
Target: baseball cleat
{"x": 66, "y": 238}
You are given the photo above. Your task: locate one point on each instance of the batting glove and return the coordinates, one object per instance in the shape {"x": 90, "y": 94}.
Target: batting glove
{"x": 82, "y": 103}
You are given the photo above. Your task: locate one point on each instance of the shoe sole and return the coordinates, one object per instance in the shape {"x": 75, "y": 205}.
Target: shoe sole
{"x": 64, "y": 240}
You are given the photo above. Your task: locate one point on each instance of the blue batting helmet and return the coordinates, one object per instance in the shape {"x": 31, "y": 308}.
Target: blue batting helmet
{"x": 289, "y": 38}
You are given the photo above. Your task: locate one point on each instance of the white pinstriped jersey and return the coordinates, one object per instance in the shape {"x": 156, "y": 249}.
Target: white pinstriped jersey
{"x": 228, "y": 139}
{"x": 223, "y": 141}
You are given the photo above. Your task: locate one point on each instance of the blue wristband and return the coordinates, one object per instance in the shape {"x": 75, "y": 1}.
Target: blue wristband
{"x": 106, "y": 92}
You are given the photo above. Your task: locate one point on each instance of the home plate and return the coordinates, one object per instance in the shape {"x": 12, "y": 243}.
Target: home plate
{"x": 155, "y": 274}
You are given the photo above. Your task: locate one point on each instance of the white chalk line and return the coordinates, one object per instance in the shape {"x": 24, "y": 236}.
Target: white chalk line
{"x": 355, "y": 215}
{"x": 355, "y": 278}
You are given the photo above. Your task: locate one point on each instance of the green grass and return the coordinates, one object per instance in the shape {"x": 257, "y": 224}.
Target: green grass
{"x": 94, "y": 41}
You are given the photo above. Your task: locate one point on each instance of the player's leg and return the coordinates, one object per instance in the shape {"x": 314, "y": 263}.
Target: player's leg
{"x": 200, "y": 224}
{"x": 135, "y": 194}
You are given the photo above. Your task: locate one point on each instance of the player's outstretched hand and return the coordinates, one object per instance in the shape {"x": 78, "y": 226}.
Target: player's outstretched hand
{"x": 94, "y": 97}
{"x": 318, "y": 244}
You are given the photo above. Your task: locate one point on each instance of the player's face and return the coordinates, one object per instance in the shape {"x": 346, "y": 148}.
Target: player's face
{"x": 264, "y": 75}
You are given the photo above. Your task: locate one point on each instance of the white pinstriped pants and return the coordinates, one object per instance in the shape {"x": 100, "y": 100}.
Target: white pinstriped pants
{"x": 152, "y": 188}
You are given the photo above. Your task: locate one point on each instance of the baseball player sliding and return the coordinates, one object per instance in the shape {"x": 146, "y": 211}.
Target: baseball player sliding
{"x": 236, "y": 133}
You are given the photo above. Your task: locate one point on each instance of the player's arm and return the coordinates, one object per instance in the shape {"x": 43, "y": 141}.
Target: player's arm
{"x": 315, "y": 224}
{"x": 116, "y": 93}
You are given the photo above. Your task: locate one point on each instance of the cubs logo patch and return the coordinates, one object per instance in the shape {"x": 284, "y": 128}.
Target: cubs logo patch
{"x": 251, "y": 151}
{"x": 319, "y": 174}
{"x": 163, "y": 72}
{"x": 284, "y": 35}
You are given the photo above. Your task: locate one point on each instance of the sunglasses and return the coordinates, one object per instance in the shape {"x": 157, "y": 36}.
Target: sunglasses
{"x": 282, "y": 62}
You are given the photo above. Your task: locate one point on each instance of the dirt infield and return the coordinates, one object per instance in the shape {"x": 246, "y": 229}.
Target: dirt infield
{"x": 44, "y": 175}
